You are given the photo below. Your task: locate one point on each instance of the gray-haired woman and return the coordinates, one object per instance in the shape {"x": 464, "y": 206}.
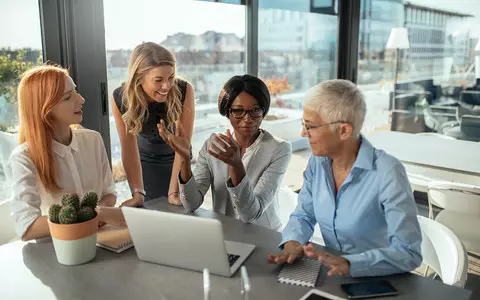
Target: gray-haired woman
{"x": 360, "y": 196}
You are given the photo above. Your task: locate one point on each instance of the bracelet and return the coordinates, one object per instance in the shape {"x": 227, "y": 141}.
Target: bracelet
{"x": 173, "y": 193}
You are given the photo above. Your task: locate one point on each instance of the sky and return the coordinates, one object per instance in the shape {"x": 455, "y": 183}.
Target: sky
{"x": 127, "y": 25}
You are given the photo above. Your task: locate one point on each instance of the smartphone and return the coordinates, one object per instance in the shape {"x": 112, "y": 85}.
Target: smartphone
{"x": 315, "y": 294}
{"x": 369, "y": 289}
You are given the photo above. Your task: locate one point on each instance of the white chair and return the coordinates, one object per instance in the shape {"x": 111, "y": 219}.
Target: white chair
{"x": 288, "y": 200}
{"x": 443, "y": 252}
{"x": 461, "y": 210}
{"x": 7, "y": 230}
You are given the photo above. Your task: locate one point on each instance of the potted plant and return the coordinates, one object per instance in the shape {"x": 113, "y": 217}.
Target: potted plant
{"x": 73, "y": 226}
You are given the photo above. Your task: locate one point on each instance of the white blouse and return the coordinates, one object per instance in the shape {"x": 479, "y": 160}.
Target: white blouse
{"x": 81, "y": 166}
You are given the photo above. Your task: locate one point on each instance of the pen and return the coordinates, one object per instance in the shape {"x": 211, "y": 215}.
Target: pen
{"x": 246, "y": 287}
{"x": 206, "y": 284}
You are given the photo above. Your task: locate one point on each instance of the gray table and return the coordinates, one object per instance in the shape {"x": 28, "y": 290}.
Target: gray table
{"x": 30, "y": 271}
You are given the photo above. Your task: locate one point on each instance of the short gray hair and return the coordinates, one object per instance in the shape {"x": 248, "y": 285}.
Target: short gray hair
{"x": 338, "y": 100}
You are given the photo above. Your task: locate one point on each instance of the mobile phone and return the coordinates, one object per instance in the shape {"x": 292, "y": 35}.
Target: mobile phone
{"x": 315, "y": 294}
{"x": 369, "y": 289}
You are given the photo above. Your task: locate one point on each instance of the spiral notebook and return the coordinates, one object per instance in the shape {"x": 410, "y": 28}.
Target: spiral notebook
{"x": 304, "y": 272}
{"x": 113, "y": 238}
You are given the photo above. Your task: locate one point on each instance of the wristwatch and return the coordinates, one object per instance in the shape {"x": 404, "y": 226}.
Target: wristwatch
{"x": 140, "y": 191}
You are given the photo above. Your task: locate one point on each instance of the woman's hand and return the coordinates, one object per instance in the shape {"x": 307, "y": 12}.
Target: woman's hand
{"x": 337, "y": 264}
{"x": 232, "y": 154}
{"x": 111, "y": 215}
{"x": 174, "y": 198}
{"x": 137, "y": 200}
{"x": 178, "y": 141}
{"x": 291, "y": 250}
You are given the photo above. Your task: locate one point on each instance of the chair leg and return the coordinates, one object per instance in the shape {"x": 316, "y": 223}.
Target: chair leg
{"x": 430, "y": 209}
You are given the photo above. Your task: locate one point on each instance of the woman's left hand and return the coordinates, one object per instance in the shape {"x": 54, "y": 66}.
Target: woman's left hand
{"x": 231, "y": 156}
{"x": 174, "y": 198}
{"x": 337, "y": 264}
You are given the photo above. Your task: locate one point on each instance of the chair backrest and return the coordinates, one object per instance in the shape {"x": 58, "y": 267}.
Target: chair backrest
{"x": 443, "y": 252}
{"x": 453, "y": 196}
{"x": 7, "y": 230}
{"x": 287, "y": 200}
{"x": 8, "y": 142}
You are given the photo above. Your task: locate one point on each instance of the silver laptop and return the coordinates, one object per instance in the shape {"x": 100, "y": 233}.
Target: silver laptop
{"x": 184, "y": 241}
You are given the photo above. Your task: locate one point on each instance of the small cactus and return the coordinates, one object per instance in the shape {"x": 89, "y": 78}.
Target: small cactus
{"x": 71, "y": 210}
{"x": 85, "y": 213}
{"x": 53, "y": 213}
{"x": 90, "y": 199}
{"x": 68, "y": 215}
{"x": 71, "y": 200}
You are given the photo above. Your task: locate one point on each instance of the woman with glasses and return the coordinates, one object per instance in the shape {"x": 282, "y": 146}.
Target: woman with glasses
{"x": 360, "y": 196}
{"x": 244, "y": 167}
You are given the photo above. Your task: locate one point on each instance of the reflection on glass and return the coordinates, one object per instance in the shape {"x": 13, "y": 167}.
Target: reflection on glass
{"x": 435, "y": 76}
{"x": 290, "y": 66}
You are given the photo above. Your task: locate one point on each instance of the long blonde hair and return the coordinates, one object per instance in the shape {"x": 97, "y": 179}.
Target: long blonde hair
{"x": 40, "y": 89}
{"x": 145, "y": 57}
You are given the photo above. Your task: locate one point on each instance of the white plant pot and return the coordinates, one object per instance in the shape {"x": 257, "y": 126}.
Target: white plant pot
{"x": 75, "y": 243}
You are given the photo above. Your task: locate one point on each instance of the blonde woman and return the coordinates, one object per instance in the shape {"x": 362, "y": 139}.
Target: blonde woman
{"x": 52, "y": 158}
{"x": 151, "y": 93}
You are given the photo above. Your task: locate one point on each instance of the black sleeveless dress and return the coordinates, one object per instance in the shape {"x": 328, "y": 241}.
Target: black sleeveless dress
{"x": 156, "y": 156}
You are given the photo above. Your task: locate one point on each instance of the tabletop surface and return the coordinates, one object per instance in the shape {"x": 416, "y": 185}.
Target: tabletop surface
{"x": 31, "y": 271}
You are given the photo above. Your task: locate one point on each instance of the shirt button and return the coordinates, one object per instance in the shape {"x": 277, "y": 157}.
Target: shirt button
{"x": 234, "y": 207}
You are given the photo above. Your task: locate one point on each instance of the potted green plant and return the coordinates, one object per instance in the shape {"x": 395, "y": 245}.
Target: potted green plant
{"x": 73, "y": 226}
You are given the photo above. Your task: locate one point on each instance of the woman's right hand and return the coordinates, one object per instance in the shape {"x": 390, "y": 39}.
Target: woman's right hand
{"x": 178, "y": 141}
{"x": 291, "y": 250}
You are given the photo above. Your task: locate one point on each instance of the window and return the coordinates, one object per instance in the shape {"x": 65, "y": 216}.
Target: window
{"x": 209, "y": 46}
{"x": 291, "y": 66}
{"x": 437, "y": 68}
{"x": 20, "y": 48}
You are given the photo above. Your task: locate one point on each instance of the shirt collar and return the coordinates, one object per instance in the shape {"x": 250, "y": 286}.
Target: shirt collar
{"x": 255, "y": 144}
{"x": 61, "y": 149}
{"x": 365, "y": 155}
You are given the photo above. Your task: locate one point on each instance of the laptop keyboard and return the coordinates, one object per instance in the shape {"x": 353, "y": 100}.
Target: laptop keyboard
{"x": 232, "y": 258}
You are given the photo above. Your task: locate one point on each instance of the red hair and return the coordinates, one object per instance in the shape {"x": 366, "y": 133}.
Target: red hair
{"x": 40, "y": 89}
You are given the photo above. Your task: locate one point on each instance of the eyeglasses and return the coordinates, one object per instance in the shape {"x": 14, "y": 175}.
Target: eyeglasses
{"x": 239, "y": 113}
{"x": 310, "y": 127}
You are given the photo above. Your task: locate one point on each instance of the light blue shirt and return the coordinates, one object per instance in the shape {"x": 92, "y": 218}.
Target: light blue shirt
{"x": 373, "y": 217}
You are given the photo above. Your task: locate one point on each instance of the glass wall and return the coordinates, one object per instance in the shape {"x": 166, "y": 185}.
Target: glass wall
{"x": 436, "y": 86}
{"x": 297, "y": 50}
{"x": 20, "y": 48}
{"x": 208, "y": 40}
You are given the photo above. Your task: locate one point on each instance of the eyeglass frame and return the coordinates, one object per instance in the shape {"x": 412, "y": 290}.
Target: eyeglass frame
{"x": 307, "y": 129}
{"x": 247, "y": 111}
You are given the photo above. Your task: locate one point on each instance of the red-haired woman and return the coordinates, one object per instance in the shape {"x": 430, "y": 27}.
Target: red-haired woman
{"x": 53, "y": 159}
